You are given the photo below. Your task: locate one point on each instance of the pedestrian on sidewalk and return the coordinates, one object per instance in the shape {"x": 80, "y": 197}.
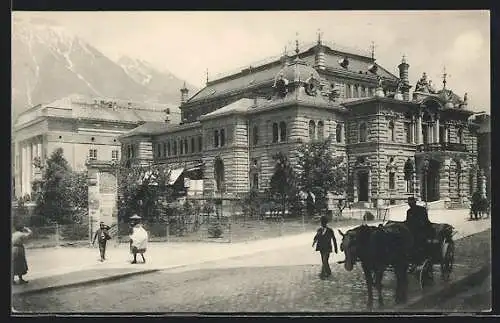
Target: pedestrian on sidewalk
{"x": 323, "y": 240}
{"x": 102, "y": 237}
{"x": 138, "y": 238}
{"x": 20, "y": 265}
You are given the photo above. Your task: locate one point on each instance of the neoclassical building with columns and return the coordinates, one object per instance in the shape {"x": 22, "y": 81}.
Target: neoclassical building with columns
{"x": 397, "y": 143}
{"x": 85, "y": 128}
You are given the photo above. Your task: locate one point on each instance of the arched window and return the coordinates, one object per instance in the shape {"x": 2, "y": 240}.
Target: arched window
{"x": 282, "y": 131}
{"x": 255, "y": 135}
{"x": 200, "y": 143}
{"x": 338, "y": 132}
{"x": 321, "y": 130}
{"x": 362, "y": 132}
{"x": 275, "y": 132}
{"x": 216, "y": 138}
{"x": 219, "y": 174}
{"x": 222, "y": 137}
{"x": 174, "y": 148}
{"x": 392, "y": 131}
{"x": 460, "y": 135}
{"x": 168, "y": 148}
{"x": 312, "y": 130}
{"x": 192, "y": 144}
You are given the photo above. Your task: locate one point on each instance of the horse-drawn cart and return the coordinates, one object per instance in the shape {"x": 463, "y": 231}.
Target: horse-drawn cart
{"x": 439, "y": 249}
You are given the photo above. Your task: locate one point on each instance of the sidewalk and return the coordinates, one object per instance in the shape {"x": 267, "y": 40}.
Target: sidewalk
{"x": 59, "y": 262}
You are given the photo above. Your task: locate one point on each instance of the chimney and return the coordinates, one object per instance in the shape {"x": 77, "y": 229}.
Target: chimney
{"x": 184, "y": 94}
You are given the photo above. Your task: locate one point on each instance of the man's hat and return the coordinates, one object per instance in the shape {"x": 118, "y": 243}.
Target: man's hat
{"x": 135, "y": 217}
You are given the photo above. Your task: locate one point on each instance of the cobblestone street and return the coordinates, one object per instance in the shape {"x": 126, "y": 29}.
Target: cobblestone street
{"x": 213, "y": 287}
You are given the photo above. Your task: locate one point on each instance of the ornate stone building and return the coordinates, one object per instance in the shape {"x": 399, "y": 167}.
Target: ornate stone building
{"x": 86, "y": 129}
{"x": 396, "y": 145}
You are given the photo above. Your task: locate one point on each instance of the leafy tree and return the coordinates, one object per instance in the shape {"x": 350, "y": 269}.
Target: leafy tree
{"x": 250, "y": 203}
{"x": 143, "y": 190}
{"x": 283, "y": 183}
{"x": 61, "y": 194}
{"x": 320, "y": 172}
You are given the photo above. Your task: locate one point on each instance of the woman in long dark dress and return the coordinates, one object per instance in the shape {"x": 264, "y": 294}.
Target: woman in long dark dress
{"x": 20, "y": 265}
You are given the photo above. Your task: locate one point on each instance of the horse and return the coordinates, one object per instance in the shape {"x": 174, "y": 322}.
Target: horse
{"x": 377, "y": 248}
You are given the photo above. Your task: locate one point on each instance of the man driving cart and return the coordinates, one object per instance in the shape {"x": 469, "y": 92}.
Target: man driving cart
{"x": 419, "y": 225}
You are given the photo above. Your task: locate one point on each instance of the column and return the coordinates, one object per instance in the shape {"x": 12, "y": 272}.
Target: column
{"x": 419, "y": 129}
{"x": 30, "y": 168}
{"x": 437, "y": 128}
{"x": 412, "y": 129}
{"x": 24, "y": 154}
{"x": 355, "y": 186}
{"x": 39, "y": 149}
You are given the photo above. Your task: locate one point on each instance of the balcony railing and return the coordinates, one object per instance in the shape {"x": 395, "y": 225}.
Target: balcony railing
{"x": 442, "y": 146}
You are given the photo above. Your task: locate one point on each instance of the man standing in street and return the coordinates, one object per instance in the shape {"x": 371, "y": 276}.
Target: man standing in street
{"x": 102, "y": 237}
{"x": 323, "y": 240}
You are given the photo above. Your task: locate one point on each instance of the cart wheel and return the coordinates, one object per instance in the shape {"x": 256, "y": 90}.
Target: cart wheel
{"x": 426, "y": 276}
{"x": 448, "y": 257}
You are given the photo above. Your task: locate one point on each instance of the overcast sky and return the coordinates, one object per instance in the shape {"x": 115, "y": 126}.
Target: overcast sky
{"x": 187, "y": 43}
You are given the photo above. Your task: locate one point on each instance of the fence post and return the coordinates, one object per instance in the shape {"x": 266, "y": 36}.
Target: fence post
{"x": 57, "y": 235}
{"x": 168, "y": 231}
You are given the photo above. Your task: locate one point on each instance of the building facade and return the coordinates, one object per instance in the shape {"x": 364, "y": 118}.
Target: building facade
{"x": 397, "y": 145}
{"x": 85, "y": 128}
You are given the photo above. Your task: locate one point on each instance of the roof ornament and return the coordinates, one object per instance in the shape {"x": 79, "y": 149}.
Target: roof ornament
{"x": 372, "y": 48}
{"x": 403, "y": 59}
{"x": 207, "y": 74}
{"x": 297, "y": 45}
{"x": 444, "y": 77}
{"x": 319, "y": 36}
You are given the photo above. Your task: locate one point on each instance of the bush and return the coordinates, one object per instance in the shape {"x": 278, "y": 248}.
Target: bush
{"x": 368, "y": 216}
{"x": 74, "y": 232}
{"x": 215, "y": 230}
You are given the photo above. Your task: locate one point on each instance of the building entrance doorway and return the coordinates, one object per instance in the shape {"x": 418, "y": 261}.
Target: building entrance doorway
{"x": 363, "y": 186}
{"x": 430, "y": 184}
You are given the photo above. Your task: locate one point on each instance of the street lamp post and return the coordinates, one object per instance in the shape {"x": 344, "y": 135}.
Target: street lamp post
{"x": 426, "y": 186}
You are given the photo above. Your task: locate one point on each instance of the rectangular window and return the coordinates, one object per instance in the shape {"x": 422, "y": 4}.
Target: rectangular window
{"x": 192, "y": 144}
{"x": 408, "y": 132}
{"x": 392, "y": 181}
{"x": 92, "y": 153}
{"x": 158, "y": 150}
{"x": 164, "y": 149}
{"x": 181, "y": 145}
{"x": 200, "y": 143}
{"x": 114, "y": 155}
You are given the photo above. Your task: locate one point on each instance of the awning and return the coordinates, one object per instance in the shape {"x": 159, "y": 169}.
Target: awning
{"x": 174, "y": 175}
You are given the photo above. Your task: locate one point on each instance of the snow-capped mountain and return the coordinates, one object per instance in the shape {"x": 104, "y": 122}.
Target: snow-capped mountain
{"x": 49, "y": 62}
{"x": 153, "y": 77}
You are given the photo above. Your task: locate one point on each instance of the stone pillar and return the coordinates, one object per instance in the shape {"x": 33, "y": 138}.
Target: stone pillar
{"x": 444, "y": 183}
{"x": 419, "y": 129}
{"x": 39, "y": 149}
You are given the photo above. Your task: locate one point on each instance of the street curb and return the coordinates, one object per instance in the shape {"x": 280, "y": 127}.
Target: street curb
{"x": 426, "y": 300}
{"x": 86, "y": 282}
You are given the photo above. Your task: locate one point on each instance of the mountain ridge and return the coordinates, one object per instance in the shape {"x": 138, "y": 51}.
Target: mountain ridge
{"x": 50, "y": 62}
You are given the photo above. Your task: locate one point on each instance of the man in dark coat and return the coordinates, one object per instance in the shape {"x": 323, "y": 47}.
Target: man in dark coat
{"x": 418, "y": 222}
{"x": 102, "y": 237}
{"x": 323, "y": 240}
